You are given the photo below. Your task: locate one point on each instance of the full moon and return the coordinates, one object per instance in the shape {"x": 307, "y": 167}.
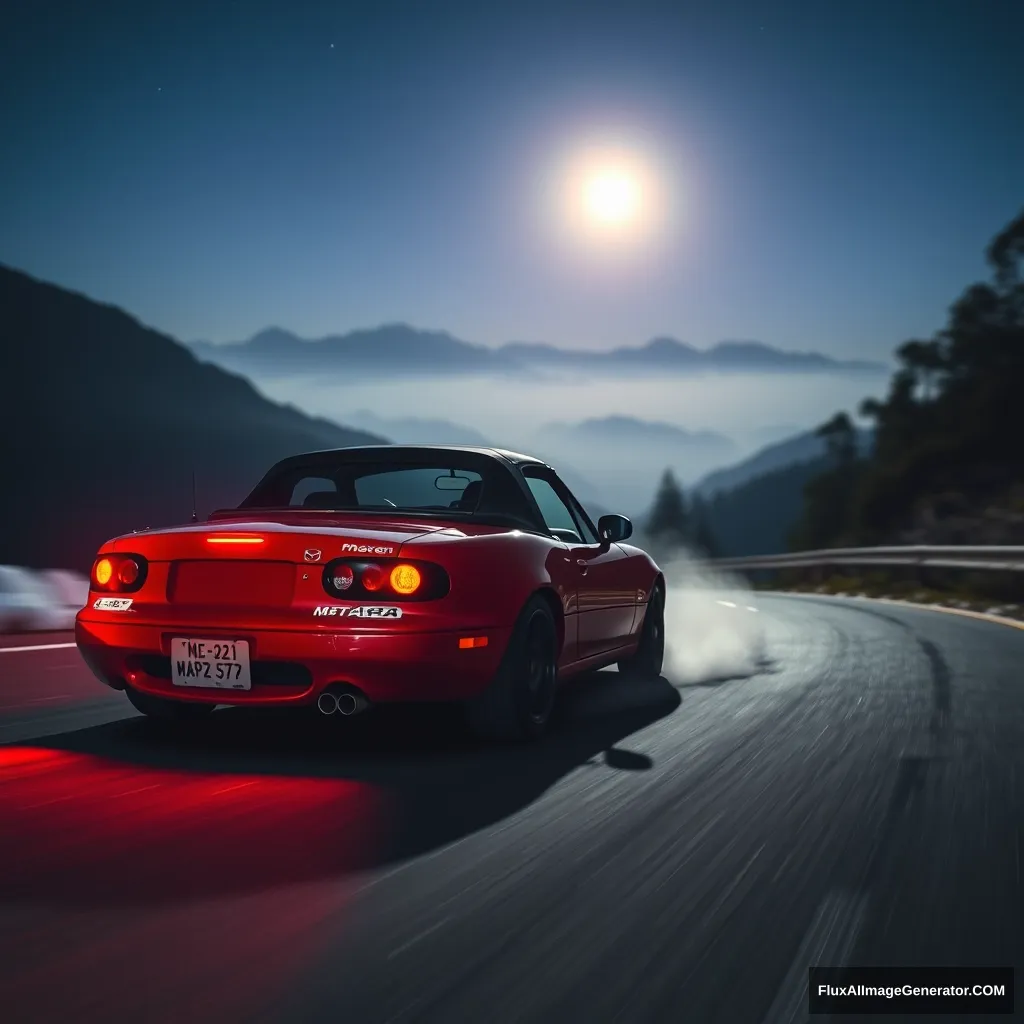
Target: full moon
{"x": 611, "y": 197}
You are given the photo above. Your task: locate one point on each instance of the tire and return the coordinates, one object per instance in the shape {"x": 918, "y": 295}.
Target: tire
{"x": 517, "y": 705}
{"x": 167, "y": 710}
{"x": 649, "y": 658}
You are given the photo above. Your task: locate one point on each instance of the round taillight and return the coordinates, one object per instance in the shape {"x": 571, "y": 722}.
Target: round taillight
{"x": 128, "y": 571}
{"x": 372, "y": 578}
{"x": 343, "y": 577}
{"x": 405, "y": 579}
{"x": 104, "y": 570}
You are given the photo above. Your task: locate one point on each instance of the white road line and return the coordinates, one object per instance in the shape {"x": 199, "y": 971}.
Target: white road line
{"x": 827, "y": 943}
{"x": 35, "y": 647}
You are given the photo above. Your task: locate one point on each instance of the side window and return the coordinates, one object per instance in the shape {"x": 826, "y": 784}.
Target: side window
{"x": 555, "y": 512}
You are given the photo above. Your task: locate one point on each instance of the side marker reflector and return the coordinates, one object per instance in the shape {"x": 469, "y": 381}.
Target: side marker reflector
{"x": 466, "y": 642}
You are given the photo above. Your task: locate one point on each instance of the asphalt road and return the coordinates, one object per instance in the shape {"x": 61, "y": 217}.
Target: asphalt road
{"x": 670, "y": 853}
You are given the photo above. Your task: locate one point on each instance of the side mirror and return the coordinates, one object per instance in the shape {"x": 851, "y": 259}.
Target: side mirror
{"x": 612, "y": 528}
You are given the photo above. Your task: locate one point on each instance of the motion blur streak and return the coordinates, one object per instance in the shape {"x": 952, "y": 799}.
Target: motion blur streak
{"x": 710, "y": 633}
{"x": 201, "y": 892}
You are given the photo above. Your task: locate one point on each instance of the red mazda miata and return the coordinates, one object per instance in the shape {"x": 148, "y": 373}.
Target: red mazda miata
{"x": 377, "y": 574}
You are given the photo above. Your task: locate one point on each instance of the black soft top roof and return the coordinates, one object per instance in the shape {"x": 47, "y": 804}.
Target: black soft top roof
{"x": 505, "y": 497}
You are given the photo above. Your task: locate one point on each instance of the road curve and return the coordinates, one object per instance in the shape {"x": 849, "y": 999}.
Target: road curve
{"x": 670, "y": 853}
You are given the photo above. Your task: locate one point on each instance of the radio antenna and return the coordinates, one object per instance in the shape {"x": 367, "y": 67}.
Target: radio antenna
{"x": 195, "y": 517}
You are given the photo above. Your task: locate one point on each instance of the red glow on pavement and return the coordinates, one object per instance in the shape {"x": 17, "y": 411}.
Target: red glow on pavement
{"x": 17, "y": 757}
{"x": 132, "y": 893}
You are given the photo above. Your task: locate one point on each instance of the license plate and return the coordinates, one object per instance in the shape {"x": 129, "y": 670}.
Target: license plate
{"x": 219, "y": 664}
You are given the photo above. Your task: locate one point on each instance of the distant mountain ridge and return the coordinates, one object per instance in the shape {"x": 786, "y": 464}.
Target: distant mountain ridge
{"x": 399, "y": 349}
{"x": 628, "y": 430}
{"x": 800, "y": 448}
{"x": 628, "y": 454}
{"x": 417, "y": 430}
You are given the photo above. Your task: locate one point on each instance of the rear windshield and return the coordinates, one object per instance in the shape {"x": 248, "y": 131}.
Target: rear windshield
{"x": 412, "y": 487}
{"x": 460, "y": 484}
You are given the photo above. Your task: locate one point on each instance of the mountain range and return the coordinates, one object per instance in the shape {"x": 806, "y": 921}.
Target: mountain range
{"x": 395, "y": 350}
{"x": 631, "y": 431}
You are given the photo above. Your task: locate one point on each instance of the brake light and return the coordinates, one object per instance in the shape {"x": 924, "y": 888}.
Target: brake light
{"x": 225, "y": 539}
{"x": 128, "y": 571}
{"x": 405, "y": 579}
{"x": 119, "y": 574}
{"x": 372, "y": 578}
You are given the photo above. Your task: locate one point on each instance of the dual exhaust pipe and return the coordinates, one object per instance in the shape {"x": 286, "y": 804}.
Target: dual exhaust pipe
{"x": 343, "y": 700}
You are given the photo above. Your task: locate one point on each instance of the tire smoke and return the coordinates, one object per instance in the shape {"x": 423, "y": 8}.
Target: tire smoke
{"x": 713, "y": 630}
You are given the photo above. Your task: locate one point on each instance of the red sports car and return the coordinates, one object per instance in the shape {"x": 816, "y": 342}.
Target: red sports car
{"x": 377, "y": 574}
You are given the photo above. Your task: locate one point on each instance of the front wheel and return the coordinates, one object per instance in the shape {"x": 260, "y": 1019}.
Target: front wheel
{"x": 518, "y": 703}
{"x": 167, "y": 710}
{"x": 649, "y": 658}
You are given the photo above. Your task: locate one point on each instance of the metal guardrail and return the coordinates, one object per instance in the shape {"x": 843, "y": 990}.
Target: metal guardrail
{"x": 1005, "y": 559}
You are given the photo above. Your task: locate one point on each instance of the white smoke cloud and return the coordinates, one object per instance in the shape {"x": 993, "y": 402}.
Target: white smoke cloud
{"x": 713, "y": 630}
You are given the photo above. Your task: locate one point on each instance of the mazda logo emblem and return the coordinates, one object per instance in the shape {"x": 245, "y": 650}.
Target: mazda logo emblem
{"x": 311, "y": 554}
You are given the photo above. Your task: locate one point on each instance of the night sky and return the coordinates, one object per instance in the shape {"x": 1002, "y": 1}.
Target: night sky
{"x": 835, "y": 169}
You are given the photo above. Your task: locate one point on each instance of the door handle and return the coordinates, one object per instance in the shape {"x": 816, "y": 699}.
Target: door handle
{"x": 583, "y": 564}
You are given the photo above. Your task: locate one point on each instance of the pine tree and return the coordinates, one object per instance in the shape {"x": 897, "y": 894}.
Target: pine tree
{"x": 669, "y": 520}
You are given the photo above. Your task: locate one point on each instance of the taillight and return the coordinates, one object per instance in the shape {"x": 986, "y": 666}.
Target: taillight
{"x": 343, "y": 577}
{"x": 397, "y": 581}
{"x": 372, "y": 578}
{"x": 406, "y": 579}
{"x": 128, "y": 572}
{"x": 119, "y": 573}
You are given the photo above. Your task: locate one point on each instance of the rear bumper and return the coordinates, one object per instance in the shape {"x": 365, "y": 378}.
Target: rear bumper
{"x": 293, "y": 668}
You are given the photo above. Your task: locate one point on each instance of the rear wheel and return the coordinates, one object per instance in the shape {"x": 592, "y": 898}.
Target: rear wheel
{"x": 167, "y": 710}
{"x": 518, "y": 703}
{"x": 649, "y": 658}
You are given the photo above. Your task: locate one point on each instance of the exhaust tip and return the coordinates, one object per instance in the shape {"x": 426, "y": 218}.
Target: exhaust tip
{"x": 327, "y": 703}
{"x": 347, "y": 699}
